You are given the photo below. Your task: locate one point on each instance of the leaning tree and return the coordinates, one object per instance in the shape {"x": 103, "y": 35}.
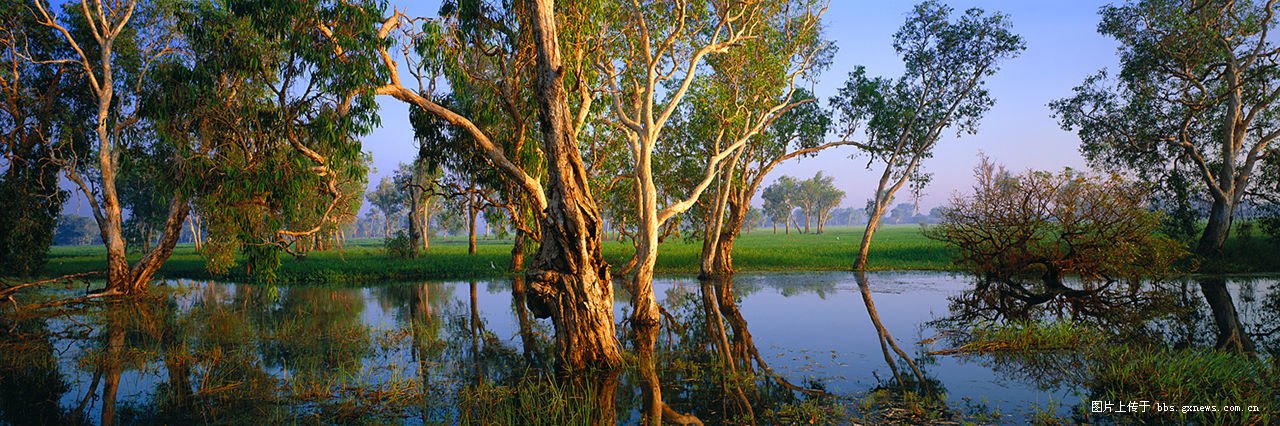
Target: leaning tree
{"x": 947, "y": 62}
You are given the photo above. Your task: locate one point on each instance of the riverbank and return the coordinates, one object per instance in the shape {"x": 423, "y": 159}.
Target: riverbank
{"x": 896, "y": 247}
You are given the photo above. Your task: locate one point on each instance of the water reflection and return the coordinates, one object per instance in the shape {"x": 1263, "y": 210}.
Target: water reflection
{"x": 752, "y": 349}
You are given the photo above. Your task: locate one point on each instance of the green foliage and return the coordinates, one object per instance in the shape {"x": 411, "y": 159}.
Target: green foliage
{"x": 947, "y": 61}
{"x": 779, "y": 199}
{"x": 1192, "y": 107}
{"x": 31, "y": 202}
{"x": 398, "y": 246}
{"x": 33, "y": 109}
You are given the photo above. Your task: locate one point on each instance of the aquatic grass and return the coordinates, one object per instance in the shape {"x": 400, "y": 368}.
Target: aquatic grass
{"x": 1026, "y": 336}
{"x": 532, "y": 400}
{"x": 1192, "y": 376}
{"x": 1124, "y": 371}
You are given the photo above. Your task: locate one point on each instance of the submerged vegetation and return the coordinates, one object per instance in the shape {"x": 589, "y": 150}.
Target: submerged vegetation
{"x": 1207, "y": 382}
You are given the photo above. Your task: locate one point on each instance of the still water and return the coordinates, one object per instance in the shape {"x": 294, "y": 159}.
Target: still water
{"x": 426, "y": 352}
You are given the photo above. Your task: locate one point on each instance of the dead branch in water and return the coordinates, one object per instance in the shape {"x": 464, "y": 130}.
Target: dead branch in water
{"x": 8, "y": 291}
{"x": 7, "y": 294}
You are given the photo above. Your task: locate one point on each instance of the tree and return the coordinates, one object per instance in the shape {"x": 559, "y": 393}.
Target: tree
{"x": 651, "y": 59}
{"x": 827, "y": 196}
{"x": 273, "y": 127}
{"x": 1195, "y": 96}
{"x": 778, "y": 202}
{"x": 753, "y": 91}
{"x": 389, "y": 200}
{"x": 947, "y": 62}
{"x": 31, "y": 97}
{"x": 75, "y": 230}
{"x": 420, "y": 190}
{"x": 817, "y": 196}
{"x": 1024, "y": 235}
{"x": 568, "y": 279}
{"x": 112, "y": 46}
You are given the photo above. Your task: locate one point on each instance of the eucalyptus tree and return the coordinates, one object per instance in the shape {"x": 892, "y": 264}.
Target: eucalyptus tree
{"x": 271, "y": 126}
{"x": 651, "y": 58}
{"x": 779, "y": 202}
{"x": 825, "y": 196}
{"x": 113, "y": 48}
{"x": 487, "y": 59}
{"x": 746, "y": 86}
{"x": 568, "y": 279}
{"x": 420, "y": 187}
{"x": 753, "y": 92}
{"x": 31, "y": 91}
{"x": 1195, "y": 98}
{"x": 389, "y": 200}
{"x": 947, "y": 61}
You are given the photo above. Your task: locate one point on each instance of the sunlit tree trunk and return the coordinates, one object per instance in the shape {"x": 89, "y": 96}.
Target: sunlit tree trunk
{"x": 865, "y": 246}
{"x": 472, "y": 212}
{"x": 568, "y": 278}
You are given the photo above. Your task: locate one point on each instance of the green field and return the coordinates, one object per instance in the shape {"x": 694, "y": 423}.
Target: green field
{"x": 363, "y": 260}
{"x": 896, "y": 247}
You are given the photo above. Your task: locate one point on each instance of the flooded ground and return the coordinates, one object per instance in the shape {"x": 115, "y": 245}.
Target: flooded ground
{"x": 427, "y": 353}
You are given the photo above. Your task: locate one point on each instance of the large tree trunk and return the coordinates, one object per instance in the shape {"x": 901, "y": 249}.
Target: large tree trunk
{"x": 1217, "y": 229}
{"x": 1231, "y": 333}
{"x": 517, "y": 253}
{"x": 645, "y": 321}
{"x": 146, "y": 267}
{"x": 568, "y": 279}
{"x": 721, "y": 256}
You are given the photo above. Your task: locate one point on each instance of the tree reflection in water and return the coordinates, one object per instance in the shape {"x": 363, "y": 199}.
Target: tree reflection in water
{"x": 424, "y": 353}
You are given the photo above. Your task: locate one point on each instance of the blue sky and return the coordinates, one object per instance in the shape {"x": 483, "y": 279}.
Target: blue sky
{"x": 1063, "y": 47}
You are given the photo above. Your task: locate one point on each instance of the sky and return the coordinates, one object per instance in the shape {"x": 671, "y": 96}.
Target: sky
{"x": 1063, "y": 47}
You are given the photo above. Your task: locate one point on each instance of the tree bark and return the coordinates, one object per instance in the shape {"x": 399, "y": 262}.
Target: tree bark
{"x": 872, "y": 223}
{"x": 142, "y": 272}
{"x": 568, "y": 279}
{"x": 415, "y": 230}
{"x": 517, "y": 253}
{"x": 472, "y": 212}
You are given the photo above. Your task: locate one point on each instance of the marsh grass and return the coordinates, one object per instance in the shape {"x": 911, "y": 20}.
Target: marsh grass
{"x": 1025, "y": 336}
{"x": 1114, "y": 370}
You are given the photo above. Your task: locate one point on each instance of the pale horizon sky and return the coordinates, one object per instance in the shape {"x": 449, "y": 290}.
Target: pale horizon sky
{"x": 1063, "y": 47}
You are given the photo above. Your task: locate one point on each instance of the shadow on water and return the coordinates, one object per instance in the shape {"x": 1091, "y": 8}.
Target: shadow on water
{"x": 471, "y": 353}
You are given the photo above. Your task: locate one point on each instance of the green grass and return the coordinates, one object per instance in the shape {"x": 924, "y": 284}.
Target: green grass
{"x": 1111, "y": 370}
{"x": 896, "y": 247}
